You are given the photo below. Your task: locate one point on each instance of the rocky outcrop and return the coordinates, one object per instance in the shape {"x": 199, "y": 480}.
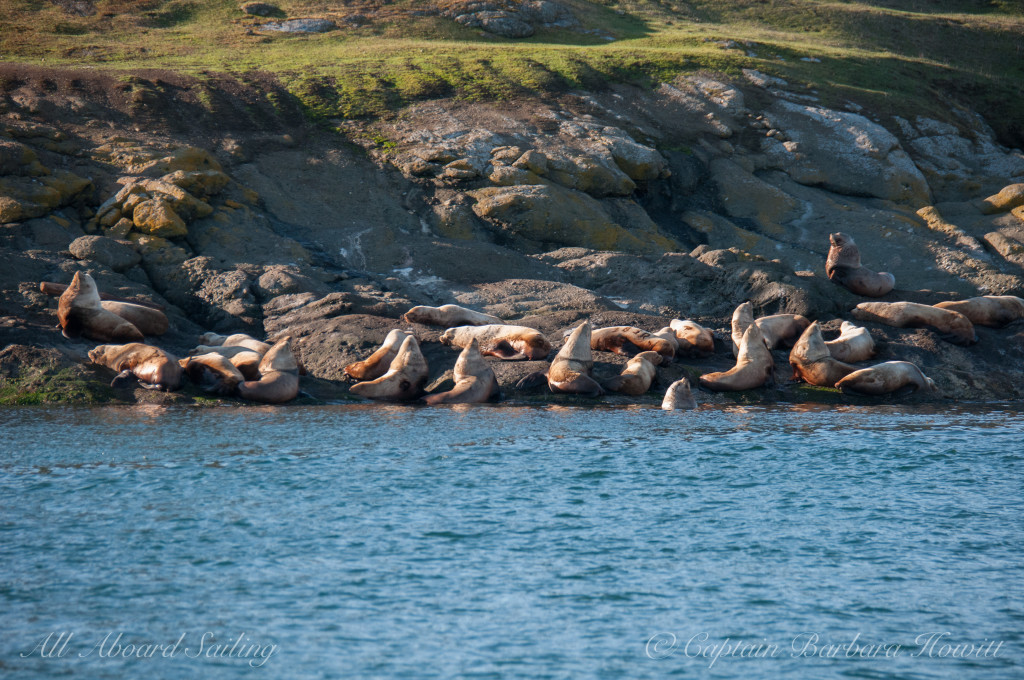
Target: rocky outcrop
{"x": 510, "y": 18}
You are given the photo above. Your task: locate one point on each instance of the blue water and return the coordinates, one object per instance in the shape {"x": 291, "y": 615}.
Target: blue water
{"x": 391, "y": 542}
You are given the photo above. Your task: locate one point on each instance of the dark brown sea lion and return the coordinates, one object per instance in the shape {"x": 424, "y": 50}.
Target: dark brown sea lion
{"x": 405, "y": 378}
{"x": 214, "y": 373}
{"x": 279, "y": 376}
{"x": 853, "y": 344}
{"x": 679, "y": 396}
{"x": 952, "y": 326}
{"x": 154, "y": 368}
{"x": 843, "y": 267}
{"x": 80, "y": 313}
{"x": 500, "y": 340}
{"x": 694, "y": 339}
{"x": 994, "y": 311}
{"x": 813, "y": 363}
{"x": 638, "y": 375}
{"x": 449, "y": 316}
{"x": 570, "y": 369}
{"x": 377, "y": 364}
{"x": 474, "y": 380}
{"x": 615, "y": 338}
{"x": 886, "y": 378}
{"x": 753, "y": 367}
{"x": 781, "y": 330}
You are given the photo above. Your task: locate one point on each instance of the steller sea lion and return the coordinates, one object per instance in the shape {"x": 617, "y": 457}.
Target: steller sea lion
{"x": 235, "y": 340}
{"x": 80, "y": 313}
{"x": 678, "y": 396}
{"x": 154, "y": 368}
{"x": 742, "y": 318}
{"x": 886, "y": 378}
{"x": 694, "y": 339}
{"x": 405, "y": 378}
{"x": 813, "y": 363}
{"x": 843, "y": 267}
{"x": 148, "y": 320}
{"x": 853, "y": 344}
{"x": 226, "y": 352}
{"x": 474, "y": 380}
{"x": 669, "y": 336}
{"x": 377, "y": 364}
{"x": 638, "y": 375}
{"x": 449, "y": 316}
{"x": 613, "y": 339}
{"x": 952, "y": 326}
{"x": 213, "y": 373}
{"x": 570, "y": 369}
{"x": 279, "y": 376}
{"x": 994, "y": 311}
{"x": 781, "y": 329}
{"x": 57, "y": 289}
{"x": 753, "y": 367}
{"x": 500, "y": 340}
{"x": 248, "y": 363}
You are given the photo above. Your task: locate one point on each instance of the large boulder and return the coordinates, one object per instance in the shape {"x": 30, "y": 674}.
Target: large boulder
{"x": 156, "y": 217}
{"x": 118, "y": 255}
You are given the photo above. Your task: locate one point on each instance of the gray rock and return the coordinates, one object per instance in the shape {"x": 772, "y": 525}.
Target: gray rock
{"x": 260, "y": 9}
{"x": 300, "y": 26}
{"x": 118, "y": 255}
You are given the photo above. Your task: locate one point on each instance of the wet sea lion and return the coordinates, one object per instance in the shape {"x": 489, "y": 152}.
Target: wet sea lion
{"x": 886, "y": 378}
{"x": 235, "y": 340}
{"x": 377, "y": 364}
{"x": 449, "y": 316}
{"x": 148, "y": 320}
{"x": 500, "y": 340}
{"x": 213, "y": 373}
{"x": 782, "y": 329}
{"x": 951, "y": 326}
{"x": 615, "y": 338}
{"x": 679, "y": 396}
{"x": 80, "y": 313}
{"x": 753, "y": 367}
{"x": 279, "y": 376}
{"x": 405, "y": 378}
{"x": 154, "y": 368}
{"x": 742, "y": 318}
{"x": 843, "y": 268}
{"x": 994, "y": 311}
{"x": 813, "y": 363}
{"x": 638, "y": 375}
{"x": 474, "y": 380}
{"x": 570, "y": 369}
{"x": 853, "y": 344}
{"x": 694, "y": 339}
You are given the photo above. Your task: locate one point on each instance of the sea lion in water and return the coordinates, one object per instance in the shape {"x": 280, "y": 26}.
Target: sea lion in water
{"x": 500, "y": 340}
{"x": 638, "y": 375}
{"x": 853, "y": 344}
{"x": 213, "y": 373}
{"x": 405, "y": 378}
{"x": 886, "y": 378}
{"x": 154, "y": 368}
{"x": 742, "y": 318}
{"x": 782, "y": 329}
{"x": 449, "y": 316}
{"x": 474, "y": 380}
{"x": 952, "y": 326}
{"x": 813, "y": 363}
{"x": 694, "y": 339}
{"x": 843, "y": 267}
{"x": 80, "y": 313}
{"x": 753, "y": 367}
{"x": 235, "y": 340}
{"x": 570, "y": 369}
{"x": 377, "y": 364}
{"x": 614, "y": 338}
{"x": 679, "y": 396}
{"x": 148, "y": 320}
{"x": 279, "y": 376}
{"x": 994, "y": 311}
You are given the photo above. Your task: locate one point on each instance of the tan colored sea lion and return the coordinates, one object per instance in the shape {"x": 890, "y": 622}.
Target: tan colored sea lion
{"x": 951, "y": 326}
{"x": 248, "y": 363}
{"x": 405, "y": 378}
{"x": 742, "y": 318}
{"x": 377, "y": 364}
{"x": 474, "y": 380}
{"x": 226, "y": 352}
{"x": 500, "y": 340}
{"x": 615, "y": 338}
{"x": 279, "y": 376}
{"x": 679, "y": 396}
{"x": 669, "y": 336}
{"x": 886, "y": 378}
{"x": 638, "y": 375}
{"x": 148, "y": 320}
{"x": 570, "y": 369}
{"x": 853, "y": 344}
{"x": 154, "y": 368}
{"x": 80, "y": 313}
{"x": 813, "y": 363}
{"x": 57, "y": 289}
{"x": 235, "y": 340}
{"x": 694, "y": 339}
{"x": 994, "y": 311}
{"x": 843, "y": 267}
{"x": 213, "y": 373}
{"x": 449, "y": 316}
{"x": 753, "y": 366}
{"x": 782, "y": 329}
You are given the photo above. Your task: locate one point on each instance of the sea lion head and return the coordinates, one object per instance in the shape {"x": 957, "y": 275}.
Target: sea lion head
{"x": 577, "y": 346}
{"x": 280, "y": 358}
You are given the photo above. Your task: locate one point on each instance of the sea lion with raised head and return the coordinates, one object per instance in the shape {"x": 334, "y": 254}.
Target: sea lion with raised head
{"x": 235, "y": 340}
{"x": 951, "y": 326}
{"x": 474, "y": 380}
{"x": 742, "y": 318}
{"x": 694, "y": 339}
{"x": 782, "y": 330}
{"x": 615, "y": 338}
{"x": 213, "y": 373}
{"x": 753, "y": 367}
{"x": 449, "y": 316}
{"x": 994, "y": 311}
{"x": 678, "y": 396}
{"x": 279, "y": 376}
{"x": 148, "y": 320}
{"x": 80, "y": 313}
{"x": 405, "y": 377}
{"x": 377, "y": 364}
{"x": 570, "y": 370}
{"x": 154, "y": 368}
{"x": 853, "y": 344}
{"x": 886, "y": 378}
{"x": 503, "y": 341}
{"x": 843, "y": 268}
{"x": 57, "y": 289}
{"x": 813, "y": 363}
{"x": 638, "y": 375}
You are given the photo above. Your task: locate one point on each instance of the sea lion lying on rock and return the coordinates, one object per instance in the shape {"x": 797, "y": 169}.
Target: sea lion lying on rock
{"x": 474, "y": 380}
{"x": 500, "y": 340}
{"x": 279, "y": 376}
{"x": 213, "y": 373}
{"x": 570, "y": 370}
{"x": 638, "y": 375}
{"x": 813, "y": 363}
{"x": 853, "y": 344}
{"x": 377, "y": 364}
{"x": 753, "y": 367}
{"x": 952, "y": 326}
{"x": 154, "y": 368}
{"x": 843, "y": 267}
{"x": 615, "y": 338}
{"x": 405, "y": 378}
{"x": 80, "y": 313}
{"x": 679, "y": 396}
{"x": 449, "y": 316}
{"x": 235, "y": 340}
{"x": 994, "y": 311}
{"x": 781, "y": 329}
{"x": 669, "y": 336}
{"x": 148, "y": 320}
{"x": 886, "y": 378}
{"x": 694, "y": 340}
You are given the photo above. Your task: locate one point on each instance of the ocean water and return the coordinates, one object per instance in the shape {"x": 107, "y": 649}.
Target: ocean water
{"x": 512, "y": 542}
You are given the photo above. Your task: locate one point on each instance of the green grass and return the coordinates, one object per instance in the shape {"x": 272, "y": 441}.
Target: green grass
{"x": 35, "y": 385}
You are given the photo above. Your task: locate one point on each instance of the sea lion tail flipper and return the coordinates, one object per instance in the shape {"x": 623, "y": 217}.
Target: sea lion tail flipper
{"x": 503, "y": 350}
{"x": 122, "y": 380}
{"x": 534, "y": 380}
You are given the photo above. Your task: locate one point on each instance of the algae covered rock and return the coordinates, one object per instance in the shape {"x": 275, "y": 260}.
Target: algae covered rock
{"x": 156, "y": 217}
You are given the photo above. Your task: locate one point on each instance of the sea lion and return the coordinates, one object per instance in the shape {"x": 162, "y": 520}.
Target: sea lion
{"x": 449, "y": 316}
{"x": 57, "y": 289}
{"x": 213, "y": 373}
{"x": 678, "y": 396}
{"x": 500, "y": 340}
{"x": 226, "y": 352}
{"x": 148, "y": 320}
{"x": 813, "y": 363}
{"x": 474, "y": 380}
{"x": 614, "y": 339}
{"x": 843, "y": 268}
{"x": 853, "y": 344}
{"x": 886, "y": 378}
{"x": 952, "y": 326}
{"x": 781, "y": 329}
{"x": 279, "y": 376}
{"x": 753, "y": 367}
{"x": 154, "y": 368}
{"x": 694, "y": 339}
{"x": 638, "y": 375}
{"x": 80, "y": 313}
{"x": 248, "y": 363}
{"x": 570, "y": 369}
{"x": 235, "y": 340}
{"x": 377, "y": 364}
{"x": 404, "y": 379}
{"x": 742, "y": 318}
{"x": 994, "y": 311}
{"x": 669, "y": 336}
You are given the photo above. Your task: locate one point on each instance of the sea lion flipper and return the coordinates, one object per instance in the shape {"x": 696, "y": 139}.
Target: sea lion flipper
{"x": 532, "y": 381}
{"x": 123, "y": 379}
{"x": 503, "y": 350}
{"x": 582, "y": 384}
